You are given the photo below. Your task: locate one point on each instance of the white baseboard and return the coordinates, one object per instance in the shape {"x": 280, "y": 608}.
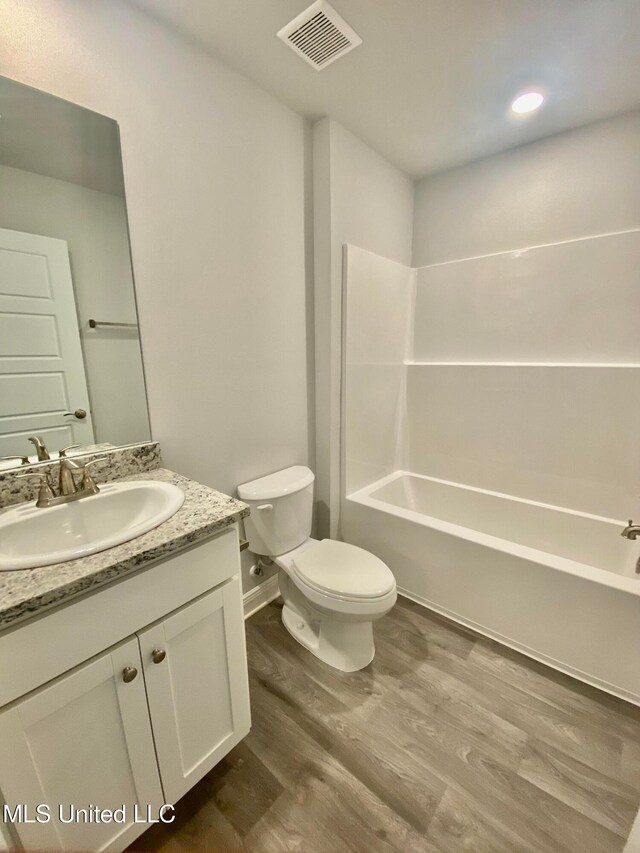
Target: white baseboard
{"x": 258, "y": 597}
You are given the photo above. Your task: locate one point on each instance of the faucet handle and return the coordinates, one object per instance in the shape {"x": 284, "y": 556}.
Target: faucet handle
{"x": 62, "y": 454}
{"x": 41, "y": 475}
{"x": 24, "y": 460}
{"x": 45, "y": 493}
{"x": 101, "y": 460}
{"x": 88, "y": 483}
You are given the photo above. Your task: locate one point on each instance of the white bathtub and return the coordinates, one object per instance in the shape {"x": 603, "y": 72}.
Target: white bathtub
{"x": 556, "y": 584}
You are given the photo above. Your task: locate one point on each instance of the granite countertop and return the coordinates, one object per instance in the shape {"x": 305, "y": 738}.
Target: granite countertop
{"x": 204, "y": 512}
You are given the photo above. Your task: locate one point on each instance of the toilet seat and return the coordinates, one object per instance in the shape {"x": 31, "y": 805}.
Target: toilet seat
{"x": 343, "y": 571}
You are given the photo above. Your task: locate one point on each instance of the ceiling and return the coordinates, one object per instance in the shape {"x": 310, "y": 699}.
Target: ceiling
{"x": 431, "y": 85}
{"x": 44, "y": 134}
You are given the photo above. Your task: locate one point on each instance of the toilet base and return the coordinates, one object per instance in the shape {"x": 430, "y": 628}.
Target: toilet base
{"x": 344, "y": 645}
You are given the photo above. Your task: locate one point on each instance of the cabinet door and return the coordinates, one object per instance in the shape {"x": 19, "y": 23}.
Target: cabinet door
{"x": 83, "y": 740}
{"x": 195, "y": 669}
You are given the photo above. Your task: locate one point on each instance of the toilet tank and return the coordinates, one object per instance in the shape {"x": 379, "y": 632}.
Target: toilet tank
{"x": 281, "y": 510}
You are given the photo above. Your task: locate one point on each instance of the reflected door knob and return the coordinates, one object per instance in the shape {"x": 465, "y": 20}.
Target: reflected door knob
{"x": 129, "y": 673}
{"x": 158, "y": 655}
{"x": 80, "y": 414}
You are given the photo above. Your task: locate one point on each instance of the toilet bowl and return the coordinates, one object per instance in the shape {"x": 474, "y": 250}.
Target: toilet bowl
{"x": 332, "y": 591}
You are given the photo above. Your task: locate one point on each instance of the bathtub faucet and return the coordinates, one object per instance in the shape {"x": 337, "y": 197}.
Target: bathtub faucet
{"x": 631, "y": 531}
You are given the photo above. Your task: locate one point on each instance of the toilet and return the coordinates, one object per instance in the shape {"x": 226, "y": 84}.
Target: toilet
{"x": 332, "y": 591}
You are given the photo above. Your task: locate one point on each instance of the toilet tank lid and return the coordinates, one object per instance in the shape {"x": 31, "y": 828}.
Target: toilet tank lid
{"x": 277, "y": 485}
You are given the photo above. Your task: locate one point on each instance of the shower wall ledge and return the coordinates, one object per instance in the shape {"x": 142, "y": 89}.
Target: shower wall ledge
{"x": 616, "y": 365}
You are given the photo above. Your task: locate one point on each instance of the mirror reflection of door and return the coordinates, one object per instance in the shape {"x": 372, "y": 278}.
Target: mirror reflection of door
{"x": 42, "y": 374}
{"x": 65, "y": 260}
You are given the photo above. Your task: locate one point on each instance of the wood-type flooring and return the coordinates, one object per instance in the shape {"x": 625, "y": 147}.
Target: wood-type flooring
{"x": 447, "y": 742}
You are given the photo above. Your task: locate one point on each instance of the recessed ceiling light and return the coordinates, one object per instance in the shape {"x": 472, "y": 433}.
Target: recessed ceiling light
{"x": 527, "y": 102}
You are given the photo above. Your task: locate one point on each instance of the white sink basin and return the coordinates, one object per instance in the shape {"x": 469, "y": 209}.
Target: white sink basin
{"x": 31, "y": 537}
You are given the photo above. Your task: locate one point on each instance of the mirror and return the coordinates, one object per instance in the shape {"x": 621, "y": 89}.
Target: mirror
{"x": 70, "y": 358}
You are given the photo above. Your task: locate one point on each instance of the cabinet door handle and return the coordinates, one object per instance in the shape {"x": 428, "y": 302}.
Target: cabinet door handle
{"x": 129, "y": 673}
{"x": 158, "y": 655}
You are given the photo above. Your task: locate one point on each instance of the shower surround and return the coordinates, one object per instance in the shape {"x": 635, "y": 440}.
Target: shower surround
{"x": 490, "y": 454}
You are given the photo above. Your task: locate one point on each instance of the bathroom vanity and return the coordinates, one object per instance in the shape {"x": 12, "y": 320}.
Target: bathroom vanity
{"x": 124, "y": 678}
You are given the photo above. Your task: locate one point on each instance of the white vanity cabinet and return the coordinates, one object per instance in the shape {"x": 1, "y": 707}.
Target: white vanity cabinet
{"x": 141, "y": 721}
{"x": 83, "y": 739}
{"x": 196, "y": 686}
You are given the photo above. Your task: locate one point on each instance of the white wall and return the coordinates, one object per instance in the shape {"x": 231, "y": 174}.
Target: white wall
{"x": 361, "y": 199}
{"x": 524, "y": 377}
{"x": 214, "y": 172}
{"x": 566, "y": 436}
{"x": 572, "y": 185}
{"x": 377, "y": 319}
{"x": 525, "y": 365}
{"x": 540, "y": 394}
{"x": 564, "y": 302}
{"x": 94, "y": 224}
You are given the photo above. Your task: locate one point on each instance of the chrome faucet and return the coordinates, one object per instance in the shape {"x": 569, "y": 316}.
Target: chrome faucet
{"x": 631, "y": 531}
{"x": 41, "y": 450}
{"x": 68, "y": 490}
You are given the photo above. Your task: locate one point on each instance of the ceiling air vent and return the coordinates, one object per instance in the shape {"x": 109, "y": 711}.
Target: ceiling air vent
{"x": 319, "y": 35}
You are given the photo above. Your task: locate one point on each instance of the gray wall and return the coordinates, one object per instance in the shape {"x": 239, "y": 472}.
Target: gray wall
{"x": 215, "y": 179}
